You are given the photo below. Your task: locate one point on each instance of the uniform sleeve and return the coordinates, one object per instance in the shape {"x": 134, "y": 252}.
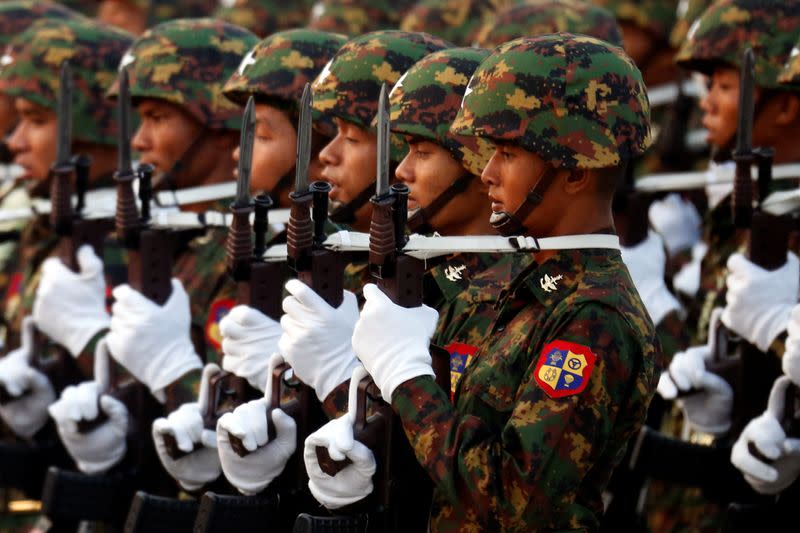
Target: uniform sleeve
{"x": 525, "y": 467}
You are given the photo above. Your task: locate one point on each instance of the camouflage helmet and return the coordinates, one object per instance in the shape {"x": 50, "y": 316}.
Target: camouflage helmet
{"x": 85, "y": 7}
{"x": 16, "y": 16}
{"x": 33, "y": 61}
{"x": 167, "y": 10}
{"x": 278, "y": 68}
{"x": 186, "y": 62}
{"x": 550, "y": 16}
{"x": 264, "y": 17}
{"x": 654, "y": 16}
{"x": 722, "y": 32}
{"x": 574, "y": 100}
{"x": 356, "y": 17}
{"x": 426, "y": 99}
{"x": 457, "y": 21}
{"x": 688, "y": 11}
{"x": 790, "y": 76}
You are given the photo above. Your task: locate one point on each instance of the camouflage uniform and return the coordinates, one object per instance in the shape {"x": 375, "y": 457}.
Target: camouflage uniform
{"x": 654, "y": 16}
{"x": 186, "y": 62}
{"x": 458, "y": 21}
{"x": 540, "y": 18}
{"x": 355, "y": 17}
{"x": 31, "y": 71}
{"x": 264, "y": 17}
{"x": 527, "y": 445}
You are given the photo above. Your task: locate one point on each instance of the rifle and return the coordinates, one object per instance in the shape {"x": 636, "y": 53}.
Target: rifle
{"x": 630, "y": 208}
{"x": 403, "y": 488}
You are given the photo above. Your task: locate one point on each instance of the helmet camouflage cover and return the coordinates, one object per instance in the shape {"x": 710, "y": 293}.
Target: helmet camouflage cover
{"x": 15, "y": 17}
{"x": 427, "y": 97}
{"x": 186, "y": 62}
{"x": 264, "y": 17}
{"x": 655, "y": 16}
{"x": 167, "y": 10}
{"x": 457, "y": 21}
{"x": 550, "y": 16}
{"x": 728, "y": 26}
{"x": 688, "y": 11}
{"x": 355, "y": 17}
{"x": 280, "y": 66}
{"x": 790, "y": 76}
{"x": 32, "y": 65}
{"x": 573, "y": 100}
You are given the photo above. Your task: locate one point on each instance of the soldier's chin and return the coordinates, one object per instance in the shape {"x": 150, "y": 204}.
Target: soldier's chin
{"x": 413, "y": 211}
{"x": 334, "y": 205}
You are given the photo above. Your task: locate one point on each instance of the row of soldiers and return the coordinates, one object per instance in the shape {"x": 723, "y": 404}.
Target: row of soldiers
{"x": 214, "y": 358}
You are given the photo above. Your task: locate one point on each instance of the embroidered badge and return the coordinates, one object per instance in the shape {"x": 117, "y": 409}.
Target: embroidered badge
{"x": 549, "y": 283}
{"x": 461, "y": 356}
{"x": 219, "y": 309}
{"x": 13, "y": 292}
{"x": 564, "y": 368}
{"x": 453, "y": 273}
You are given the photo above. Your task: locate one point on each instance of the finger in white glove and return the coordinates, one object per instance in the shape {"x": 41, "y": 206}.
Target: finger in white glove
{"x": 687, "y": 280}
{"x": 677, "y": 220}
{"x": 686, "y": 368}
{"x": 708, "y": 410}
{"x": 646, "y": 263}
{"x": 249, "y": 337}
{"x": 791, "y": 357}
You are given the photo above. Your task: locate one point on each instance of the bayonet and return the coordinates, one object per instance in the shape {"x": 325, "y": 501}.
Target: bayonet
{"x": 64, "y": 144}
{"x": 303, "y": 142}
{"x": 742, "y": 199}
{"x": 382, "y": 171}
{"x": 124, "y": 116}
{"x": 245, "y": 156}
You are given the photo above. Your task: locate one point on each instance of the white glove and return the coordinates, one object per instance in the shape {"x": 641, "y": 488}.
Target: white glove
{"x": 708, "y": 409}
{"x": 687, "y": 280}
{"x": 249, "y": 337}
{"x": 103, "y": 447}
{"x": 393, "y": 355}
{"x": 354, "y": 481}
{"x": 646, "y": 263}
{"x": 199, "y": 467}
{"x": 759, "y": 302}
{"x": 766, "y": 433}
{"x": 151, "y": 341}
{"x": 791, "y": 357}
{"x": 28, "y": 414}
{"x": 316, "y": 338}
{"x": 677, "y": 220}
{"x": 254, "y": 472}
{"x": 70, "y": 308}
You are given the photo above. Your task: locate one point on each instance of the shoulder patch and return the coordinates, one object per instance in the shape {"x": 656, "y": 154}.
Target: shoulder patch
{"x": 218, "y": 310}
{"x": 564, "y": 368}
{"x": 461, "y": 356}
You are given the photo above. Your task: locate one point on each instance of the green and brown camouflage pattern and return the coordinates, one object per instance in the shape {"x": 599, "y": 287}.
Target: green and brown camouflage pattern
{"x": 457, "y": 21}
{"x": 573, "y": 100}
{"x": 356, "y": 17}
{"x": 655, "y": 16}
{"x": 186, "y": 62}
{"x": 167, "y": 10}
{"x": 279, "y": 67}
{"x": 507, "y": 456}
{"x": 32, "y": 63}
{"x": 349, "y": 85}
{"x": 688, "y": 11}
{"x": 17, "y": 16}
{"x": 84, "y": 7}
{"x": 264, "y": 17}
{"x": 550, "y": 16}
{"x": 426, "y": 99}
{"x": 726, "y": 28}
{"x": 790, "y": 75}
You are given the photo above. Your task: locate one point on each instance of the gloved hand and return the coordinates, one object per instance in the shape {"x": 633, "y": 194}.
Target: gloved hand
{"x": 254, "y": 472}
{"x": 27, "y": 414}
{"x": 677, "y": 220}
{"x": 709, "y": 406}
{"x": 791, "y": 357}
{"x": 186, "y": 425}
{"x": 102, "y": 448}
{"x": 646, "y": 263}
{"x": 393, "y": 355}
{"x": 759, "y": 302}
{"x": 249, "y": 337}
{"x": 353, "y": 482}
{"x": 316, "y": 338}
{"x": 70, "y": 307}
{"x": 687, "y": 280}
{"x": 153, "y": 341}
{"x": 766, "y": 433}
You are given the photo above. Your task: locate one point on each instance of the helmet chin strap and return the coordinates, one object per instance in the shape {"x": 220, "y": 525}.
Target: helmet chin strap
{"x": 508, "y": 224}
{"x": 346, "y": 213}
{"x": 419, "y": 222}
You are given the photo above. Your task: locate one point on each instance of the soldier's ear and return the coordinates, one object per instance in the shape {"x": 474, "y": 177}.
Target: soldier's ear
{"x": 788, "y": 110}
{"x": 576, "y": 180}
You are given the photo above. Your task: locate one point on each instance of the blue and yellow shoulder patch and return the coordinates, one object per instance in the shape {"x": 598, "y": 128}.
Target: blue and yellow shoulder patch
{"x": 218, "y": 310}
{"x": 461, "y": 356}
{"x": 564, "y": 368}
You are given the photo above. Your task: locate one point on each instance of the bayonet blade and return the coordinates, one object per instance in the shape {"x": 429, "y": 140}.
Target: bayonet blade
{"x": 124, "y": 116}
{"x": 303, "y": 142}
{"x": 246, "y": 155}
{"x": 64, "y": 144}
{"x": 744, "y": 132}
{"x": 382, "y": 178}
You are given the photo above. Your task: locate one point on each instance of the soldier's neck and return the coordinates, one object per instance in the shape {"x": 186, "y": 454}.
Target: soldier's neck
{"x": 787, "y": 150}
{"x": 104, "y": 161}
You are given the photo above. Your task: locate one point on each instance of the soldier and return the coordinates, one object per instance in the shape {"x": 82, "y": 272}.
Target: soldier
{"x": 565, "y": 373}
{"x": 274, "y": 72}
{"x": 129, "y": 15}
{"x": 456, "y": 21}
{"x": 177, "y": 70}
{"x": 264, "y": 17}
{"x": 356, "y": 17}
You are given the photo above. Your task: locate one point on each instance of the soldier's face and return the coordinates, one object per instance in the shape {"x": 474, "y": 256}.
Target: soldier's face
{"x": 638, "y": 44}
{"x": 165, "y": 133}
{"x": 349, "y": 162}
{"x": 123, "y": 14}
{"x": 274, "y": 148}
{"x": 8, "y": 114}
{"x": 721, "y": 106}
{"x": 33, "y": 141}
